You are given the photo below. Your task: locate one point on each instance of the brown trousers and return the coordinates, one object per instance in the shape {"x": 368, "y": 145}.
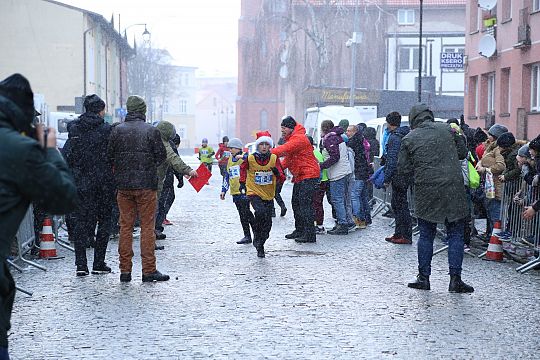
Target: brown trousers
{"x": 143, "y": 203}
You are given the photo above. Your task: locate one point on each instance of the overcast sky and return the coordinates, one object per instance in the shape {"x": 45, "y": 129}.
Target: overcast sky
{"x": 201, "y": 33}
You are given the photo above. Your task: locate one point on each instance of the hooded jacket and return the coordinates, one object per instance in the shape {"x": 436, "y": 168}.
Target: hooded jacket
{"x": 371, "y": 135}
{"x": 136, "y": 150}
{"x": 85, "y": 152}
{"x": 494, "y": 161}
{"x": 361, "y": 166}
{"x": 431, "y": 152}
{"x": 391, "y": 157}
{"x": 28, "y": 173}
{"x": 336, "y": 155}
{"x": 512, "y": 171}
{"x": 297, "y": 153}
{"x": 172, "y": 160}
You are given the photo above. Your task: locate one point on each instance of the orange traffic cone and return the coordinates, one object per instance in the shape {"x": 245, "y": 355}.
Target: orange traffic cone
{"x": 495, "y": 250}
{"x": 47, "y": 247}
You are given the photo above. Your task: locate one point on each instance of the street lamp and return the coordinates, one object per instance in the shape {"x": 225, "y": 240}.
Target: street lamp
{"x": 146, "y": 34}
{"x": 420, "y": 54}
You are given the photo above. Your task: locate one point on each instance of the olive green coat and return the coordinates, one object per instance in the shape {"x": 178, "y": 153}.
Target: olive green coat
{"x": 431, "y": 153}
{"x": 173, "y": 160}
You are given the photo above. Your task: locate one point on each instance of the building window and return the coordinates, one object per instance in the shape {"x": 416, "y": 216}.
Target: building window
{"x": 473, "y": 88}
{"x": 491, "y": 93}
{"x": 505, "y": 91}
{"x": 535, "y": 87}
{"x": 165, "y": 107}
{"x": 536, "y": 5}
{"x": 264, "y": 120}
{"x": 183, "y": 106}
{"x": 405, "y": 16}
{"x": 506, "y": 10}
{"x": 408, "y": 58}
{"x": 473, "y": 7}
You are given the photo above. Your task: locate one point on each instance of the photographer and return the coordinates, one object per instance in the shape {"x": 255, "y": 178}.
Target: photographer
{"x": 30, "y": 171}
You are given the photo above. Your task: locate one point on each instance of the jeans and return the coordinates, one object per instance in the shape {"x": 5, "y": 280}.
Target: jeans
{"x": 454, "y": 232}
{"x": 166, "y": 199}
{"x": 349, "y": 188}
{"x": 302, "y": 205}
{"x": 402, "y": 214}
{"x": 493, "y": 208}
{"x": 360, "y": 204}
{"x": 246, "y": 216}
{"x": 337, "y": 190}
{"x": 263, "y": 220}
{"x": 132, "y": 203}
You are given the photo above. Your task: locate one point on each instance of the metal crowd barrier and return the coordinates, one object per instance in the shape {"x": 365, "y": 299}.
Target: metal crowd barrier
{"x": 59, "y": 222}
{"x": 25, "y": 241}
{"x": 524, "y": 234}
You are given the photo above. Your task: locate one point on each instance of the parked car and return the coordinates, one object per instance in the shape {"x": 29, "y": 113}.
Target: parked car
{"x": 59, "y": 121}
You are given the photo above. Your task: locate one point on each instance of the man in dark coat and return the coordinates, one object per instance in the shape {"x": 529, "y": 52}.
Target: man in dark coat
{"x": 86, "y": 154}
{"x": 399, "y": 182}
{"x": 29, "y": 172}
{"x": 136, "y": 150}
{"x": 431, "y": 152}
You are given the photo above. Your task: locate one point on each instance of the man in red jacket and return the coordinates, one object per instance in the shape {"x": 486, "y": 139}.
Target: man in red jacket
{"x": 299, "y": 159}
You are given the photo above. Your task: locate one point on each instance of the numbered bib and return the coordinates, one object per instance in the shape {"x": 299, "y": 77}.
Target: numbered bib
{"x": 204, "y": 152}
{"x": 234, "y": 171}
{"x": 263, "y": 177}
{"x": 226, "y": 154}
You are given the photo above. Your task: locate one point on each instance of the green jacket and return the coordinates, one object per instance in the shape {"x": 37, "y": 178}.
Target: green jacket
{"x": 320, "y": 159}
{"x": 29, "y": 174}
{"x": 173, "y": 160}
{"x": 431, "y": 152}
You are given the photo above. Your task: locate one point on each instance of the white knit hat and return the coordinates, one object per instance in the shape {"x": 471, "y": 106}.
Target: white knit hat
{"x": 264, "y": 139}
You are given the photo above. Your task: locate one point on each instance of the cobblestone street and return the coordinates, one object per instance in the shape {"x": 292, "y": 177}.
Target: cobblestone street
{"x": 343, "y": 297}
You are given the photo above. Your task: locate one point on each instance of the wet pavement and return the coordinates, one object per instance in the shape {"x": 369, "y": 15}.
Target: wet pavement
{"x": 343, "y": 297}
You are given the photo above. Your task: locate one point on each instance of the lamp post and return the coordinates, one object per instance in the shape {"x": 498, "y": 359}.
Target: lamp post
{"x": 84, "y": 58}
{"x": 353, "y": 43}
{"x": 420, "y": 53}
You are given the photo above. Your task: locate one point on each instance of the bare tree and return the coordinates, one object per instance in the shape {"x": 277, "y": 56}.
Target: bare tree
{"x": 149, "y": 75}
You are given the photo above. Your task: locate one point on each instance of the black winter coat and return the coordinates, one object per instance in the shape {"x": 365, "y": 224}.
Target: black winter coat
{"x": 136, "y": 150}
{"x": 85, "y": 152}
{"x": 361, "y": 166}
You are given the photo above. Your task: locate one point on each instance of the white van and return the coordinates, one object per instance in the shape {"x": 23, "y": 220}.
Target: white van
{"x": 379, "y": 124}
{"x": 59, "y": 121}
{"x": 316, "y": 115}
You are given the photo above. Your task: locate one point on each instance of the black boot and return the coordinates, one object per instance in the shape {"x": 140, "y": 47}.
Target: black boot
{"x": 244, "y": 240}
{"x": 283, "y": 211}
{"x": 458, "y": 286}
{"x": 421, "y": 282}
{"x": 155, "y": 276}
{"x": 341, "y": 229}
{"x": 260, "y": 251}
{"x": 295, "y": 234}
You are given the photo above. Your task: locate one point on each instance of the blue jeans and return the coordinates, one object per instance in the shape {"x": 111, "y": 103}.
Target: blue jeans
{"x": 493, "y": 209}
{"x": 337, "y": 192}
{"x": 454, "y": 232}
{"x": 360, "y": 201}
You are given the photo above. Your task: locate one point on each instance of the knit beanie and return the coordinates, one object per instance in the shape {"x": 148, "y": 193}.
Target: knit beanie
{"x": 497, "y": 130}
{"x": 506, "y": 140}
{"x": 264, "y": 139}
{"x": 288, "y": 122}
{"x": 535, "y": 144}
{"x": 524, "y": 151}
{"x": 136, "y": 104}
{"x": 344, "y": 124}
{"x": 479, "y": 135}
{"x": 93, "y": 104}
{"x": 17, "y": 88}
{"x": 236, "y": 143}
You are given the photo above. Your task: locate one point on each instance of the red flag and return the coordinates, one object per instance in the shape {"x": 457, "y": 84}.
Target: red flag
{"x": 201, "y": 180}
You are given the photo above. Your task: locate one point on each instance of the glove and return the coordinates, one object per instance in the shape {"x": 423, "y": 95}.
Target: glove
{"x": 180, "y": 182}
{"x": 275, "y": 171}
{"x": 242, "y": 188}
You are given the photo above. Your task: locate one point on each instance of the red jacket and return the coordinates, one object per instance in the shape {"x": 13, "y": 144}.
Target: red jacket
{"x": 298, "y": 156}
{"x": 222, "y": 160}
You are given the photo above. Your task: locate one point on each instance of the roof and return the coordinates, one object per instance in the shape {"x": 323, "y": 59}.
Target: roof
{"x": 393, "y": 3}
{"x": 105, "y": 25}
